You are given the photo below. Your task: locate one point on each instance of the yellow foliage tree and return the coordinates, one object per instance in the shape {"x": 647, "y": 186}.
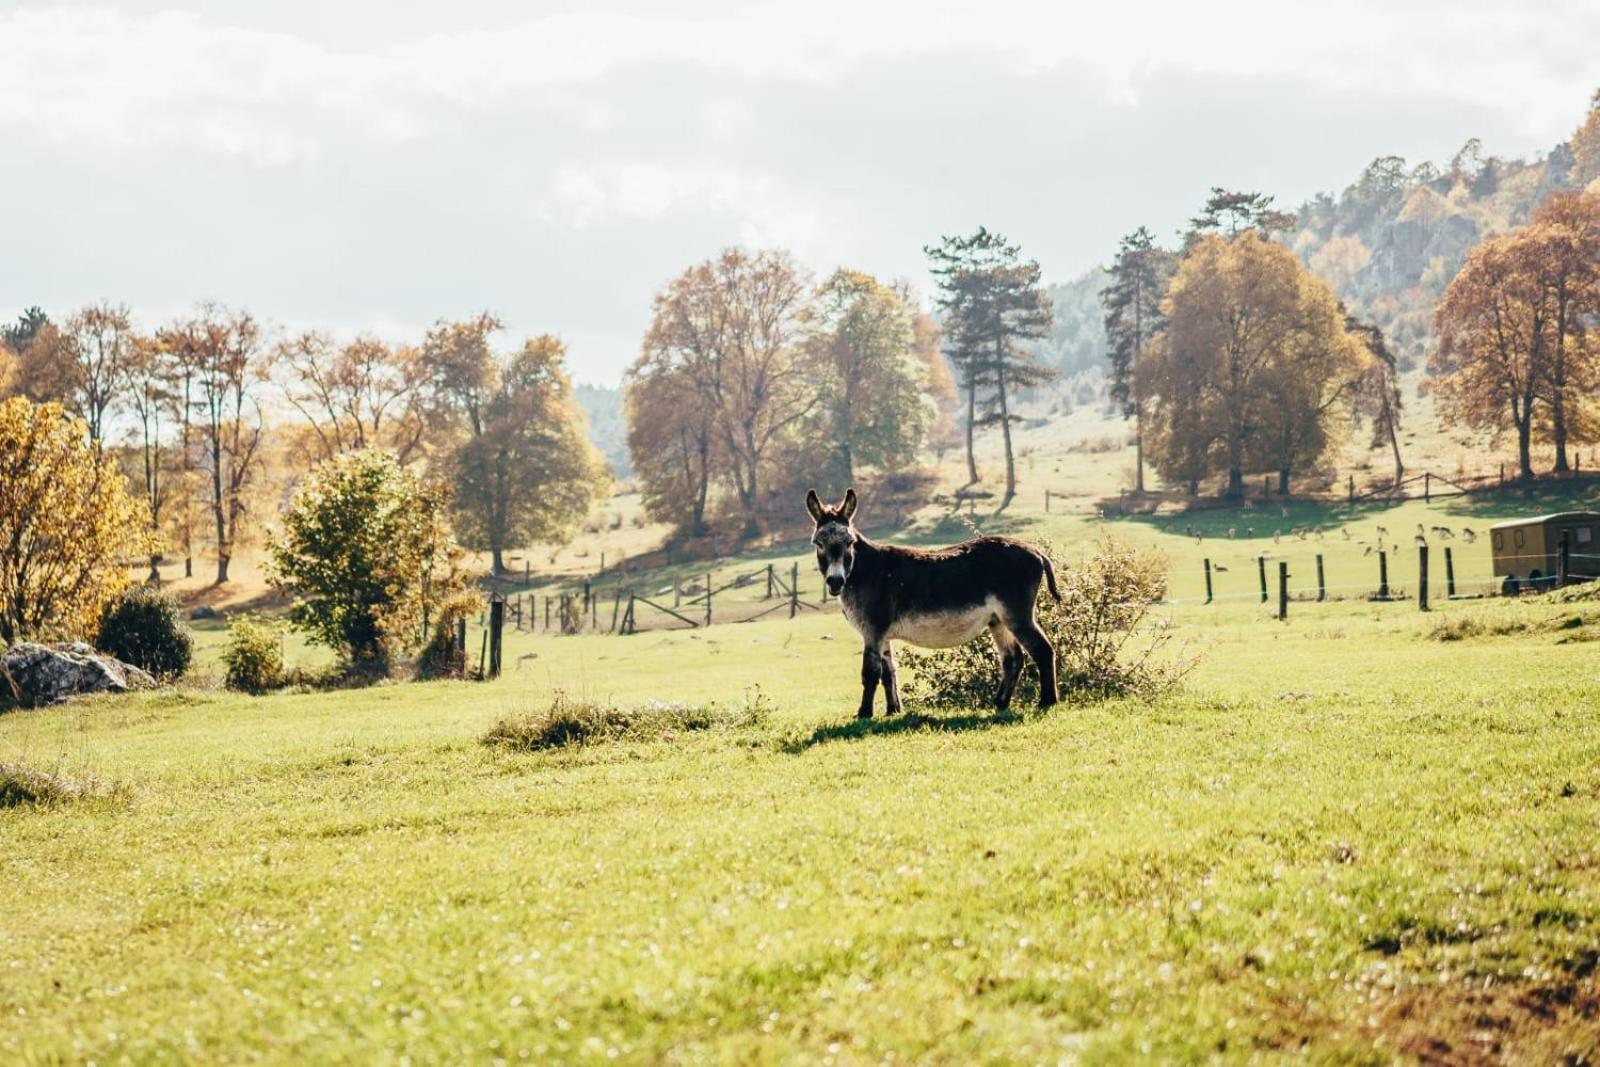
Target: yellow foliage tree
{"x": 69, "y": 528}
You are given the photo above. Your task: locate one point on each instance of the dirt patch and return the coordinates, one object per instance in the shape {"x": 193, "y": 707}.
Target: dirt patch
{"x": 1464, "y": 1026}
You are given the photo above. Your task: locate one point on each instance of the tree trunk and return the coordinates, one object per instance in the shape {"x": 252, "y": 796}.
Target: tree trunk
{"x": 1005, "y": 433}
{"x": 1283, "y": 481}
{"x": 1235, "y": 483}
{"x": 1524, "y": 451}
{"x": 1394, "y": 444}
{"x": 1194, "y": 486}
{"x": 1558, "y": 429}
{"x": 222, "y": 567}
{"x": 1138, "y": 450}
{"x": 972, "y": 414}
{"x": 155, "y": 569}
{"x": 498, "y": 560}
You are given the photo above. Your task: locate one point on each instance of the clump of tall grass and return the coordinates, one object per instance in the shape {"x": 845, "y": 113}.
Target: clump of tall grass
{"x": 22, "y": 785}
{"x": 573, "y": 721}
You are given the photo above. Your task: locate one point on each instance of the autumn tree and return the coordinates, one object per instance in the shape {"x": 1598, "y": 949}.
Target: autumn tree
{"x": 927, "y": 344}
{"x": 673, "y": 443}
{"x": 1493, "y": 329}
{"x": 367, "y": 553}
{"x": 525, "y": 470}
{"x": 222, "y": 354}
{"x": 1132, "y": 303}
{"x": 1252, "y": 366}
{"x": 731, "y": 328}
{"x": 1561, "y": 251}
{"x": 993, "y": 305}
{"x": 875, "y": 406}
{"x": 68, "y": 525}
{"x": 360, "y": 394}
{"x": 99, "y": 342}
{"x": 152, "y": 398}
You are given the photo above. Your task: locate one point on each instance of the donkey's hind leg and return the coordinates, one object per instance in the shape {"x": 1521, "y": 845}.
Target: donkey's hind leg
{"x": 1043, "y": 654}
{"x": 891, "y": 680}
{"x": 1009, "y": 653}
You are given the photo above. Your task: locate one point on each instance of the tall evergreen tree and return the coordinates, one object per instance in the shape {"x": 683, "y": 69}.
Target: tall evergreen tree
{"x": 993, "y": 304}
{"x": 1132, "y": 303}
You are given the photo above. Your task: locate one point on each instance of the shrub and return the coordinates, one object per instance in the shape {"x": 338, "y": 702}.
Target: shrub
{"x": 145, "y": 628}
{"x": 1103, "y": 647}
{"x": 254, "y": 656}
{"x": 581, "y": 722}
{"x": 366, "y": 550}
{"x": 440, "y": 658}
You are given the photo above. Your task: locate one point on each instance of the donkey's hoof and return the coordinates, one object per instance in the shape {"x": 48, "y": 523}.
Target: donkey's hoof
{"x": 864, "y": 713}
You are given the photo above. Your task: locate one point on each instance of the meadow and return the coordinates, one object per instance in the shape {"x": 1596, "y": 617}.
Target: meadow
{"x": 1365, "y": 834}
{"x": 1342, "y": 837}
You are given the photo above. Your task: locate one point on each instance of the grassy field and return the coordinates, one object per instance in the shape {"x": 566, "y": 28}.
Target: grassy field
{"x": 1341, "y": 837}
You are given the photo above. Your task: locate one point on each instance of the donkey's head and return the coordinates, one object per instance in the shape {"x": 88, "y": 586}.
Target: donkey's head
{"x": 834, "y": 538}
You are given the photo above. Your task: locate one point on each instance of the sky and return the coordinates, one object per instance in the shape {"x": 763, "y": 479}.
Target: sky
{"x": 376, "y": 165}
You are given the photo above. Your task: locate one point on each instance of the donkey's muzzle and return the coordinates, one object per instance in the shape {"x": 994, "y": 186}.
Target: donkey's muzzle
{"x": 835, "y": 584}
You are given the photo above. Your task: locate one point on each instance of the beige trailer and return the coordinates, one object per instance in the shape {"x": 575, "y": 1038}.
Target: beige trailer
{"x": 1527, "y": 551}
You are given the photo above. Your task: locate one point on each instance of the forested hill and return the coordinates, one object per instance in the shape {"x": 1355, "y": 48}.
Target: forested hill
{"x": 602, "y": 405}
{"x": 1395, "y": 237}
{"x": 1388, "y": 244}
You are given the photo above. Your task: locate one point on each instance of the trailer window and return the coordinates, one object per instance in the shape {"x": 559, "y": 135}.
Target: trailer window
{"x": 1499, "y": 540}
{"x": 1520, "y": 537}
{"x": 1585, "y": 534}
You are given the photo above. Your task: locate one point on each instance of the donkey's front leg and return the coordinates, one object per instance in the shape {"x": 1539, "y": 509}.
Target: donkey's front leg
{"x": 891, "y": 681}
{"x": 871, "y": 671}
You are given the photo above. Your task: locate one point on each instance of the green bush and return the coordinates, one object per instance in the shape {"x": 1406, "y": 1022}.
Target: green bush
{"x": 254, "y": 656}
{"x": 144, "y": 628}
{"x": 366, "y": 550}
{"x": 1100, "y": 629}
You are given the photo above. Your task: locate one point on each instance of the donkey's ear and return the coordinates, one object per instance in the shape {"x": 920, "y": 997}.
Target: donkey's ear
{"x": 848, "y": 508}
{"x": 813, "y": 505}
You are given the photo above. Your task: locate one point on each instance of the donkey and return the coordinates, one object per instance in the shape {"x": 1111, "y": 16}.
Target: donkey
{"x": 936, "y": 598}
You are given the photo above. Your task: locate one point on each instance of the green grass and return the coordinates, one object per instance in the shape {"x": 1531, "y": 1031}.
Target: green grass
{"x": 1341, "y": 837}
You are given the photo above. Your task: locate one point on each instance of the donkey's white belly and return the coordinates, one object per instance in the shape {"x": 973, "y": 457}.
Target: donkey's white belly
{"x": 945, "y": 629}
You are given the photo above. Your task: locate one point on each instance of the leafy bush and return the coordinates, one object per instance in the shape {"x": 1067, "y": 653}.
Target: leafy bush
{"x": 253, "y": 656}
{"x": 581, "y": 722}
{"x": 440, "y": 658}
{"x": 366, "y": 550}
{"x": 145, "y": 628}
{"x": 1103, "y": 647}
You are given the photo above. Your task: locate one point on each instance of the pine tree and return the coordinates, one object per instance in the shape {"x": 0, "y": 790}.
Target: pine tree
{"x": 1132, "y": 303}
{"x": 993, "y": 304}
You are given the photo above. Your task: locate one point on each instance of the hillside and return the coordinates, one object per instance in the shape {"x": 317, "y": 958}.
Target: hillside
{"x": 608, "y": 429}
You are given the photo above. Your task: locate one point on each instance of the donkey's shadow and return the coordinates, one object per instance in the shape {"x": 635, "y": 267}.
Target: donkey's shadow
{"x": 904, "y": 723}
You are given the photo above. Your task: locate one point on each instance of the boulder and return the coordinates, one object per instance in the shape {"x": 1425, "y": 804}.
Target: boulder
{"x": 205, "y": 611}
{"x": 49, "y": 674}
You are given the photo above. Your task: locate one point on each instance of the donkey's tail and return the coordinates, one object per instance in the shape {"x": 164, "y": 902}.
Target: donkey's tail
{"x": 1050, "y": 575}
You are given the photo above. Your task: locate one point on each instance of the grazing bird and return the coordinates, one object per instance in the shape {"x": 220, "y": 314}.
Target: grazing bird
{"x": 1219, "y": 567}
{"x": 1319, "y": 536}
{"x": 1368, "y": 552}
{"x": 1469, "y": 533}
{"x": 1249, "y": 531}
{"x": 1230, "y": 533}
{"x": 1383, "y": 531}
{"x": 1277, "y": 537}
{"x": 1419, "y": 541}
{"x": 1344, "y": 532}
{"x": 1285, "y": 512}
{"x": 936, "y": 598}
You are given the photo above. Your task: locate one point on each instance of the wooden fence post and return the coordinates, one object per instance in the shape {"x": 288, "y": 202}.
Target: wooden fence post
{"x": 1261, "y": 567}
{"x": 1283, "y": 590}
{"x": 1266, "y": 486}
{"x": 1047, "y": 501}
{"x": 1208, "y": 581}
{"x": 677, "y": 592}
{"x": 1422, "y": 577}
{"x": 1322, "y": 583}
{"x": 1383, "y": 575}
{"x": 708, "y": 598}
{"x": 1427, "y": 486}
{"x": 1352, "y": 488}
{"x": 497, "y": 627}
{"x": 1449, "y": 575}
{"x": 461, "y": 644}
{"x": 616, "y": 606}
{"x": 769, "y": 581}
{"x": 794, "y": 590}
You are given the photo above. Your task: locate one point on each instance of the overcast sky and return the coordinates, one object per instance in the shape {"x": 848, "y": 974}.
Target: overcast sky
{"x": 376, "y": 165}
